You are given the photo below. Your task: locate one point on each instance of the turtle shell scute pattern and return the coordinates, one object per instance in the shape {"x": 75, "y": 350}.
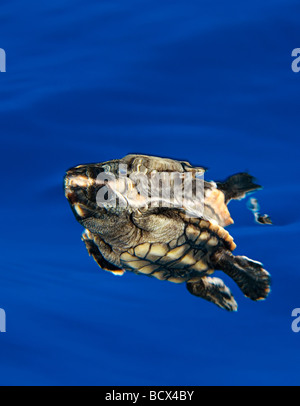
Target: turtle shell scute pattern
{"x": 181, "y": 259}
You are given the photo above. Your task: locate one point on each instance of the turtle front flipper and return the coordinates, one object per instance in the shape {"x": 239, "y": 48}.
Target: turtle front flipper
{"x": 214, "y": 290}
{"x": 252, "y": 279}
{"x": 93, "y": 250}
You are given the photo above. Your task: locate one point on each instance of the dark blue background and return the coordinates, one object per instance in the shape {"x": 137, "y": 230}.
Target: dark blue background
{"x": 88, "y": 81}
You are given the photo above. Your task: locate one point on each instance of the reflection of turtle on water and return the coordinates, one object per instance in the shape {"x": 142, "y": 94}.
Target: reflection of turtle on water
{"x": 164, "y": 240}
{"x": 259, "y": 218}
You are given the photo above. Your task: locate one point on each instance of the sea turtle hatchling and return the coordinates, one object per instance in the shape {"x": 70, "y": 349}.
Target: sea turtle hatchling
{"x": 167, "y": 240}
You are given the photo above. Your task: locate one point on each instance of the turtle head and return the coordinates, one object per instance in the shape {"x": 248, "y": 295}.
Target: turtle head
{"x": 95, "y": 193}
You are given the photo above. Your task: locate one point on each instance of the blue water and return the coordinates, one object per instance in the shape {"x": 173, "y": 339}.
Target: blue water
{"x": 88, "y": 81}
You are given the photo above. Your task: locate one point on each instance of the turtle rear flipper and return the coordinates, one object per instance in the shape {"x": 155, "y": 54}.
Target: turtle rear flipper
{"x": 252, "y": 279}
{"x": 237, "y": 186}
{"x": 214, "y": 290}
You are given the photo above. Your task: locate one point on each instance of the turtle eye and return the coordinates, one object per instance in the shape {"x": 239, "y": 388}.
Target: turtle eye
{"x": 93, "y": 171}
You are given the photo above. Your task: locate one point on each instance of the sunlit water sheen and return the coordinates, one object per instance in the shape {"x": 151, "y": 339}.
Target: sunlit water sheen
{"x": 88, "y": 81}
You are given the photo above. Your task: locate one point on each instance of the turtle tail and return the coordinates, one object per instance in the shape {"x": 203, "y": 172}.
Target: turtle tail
{"x": 237, "y": 186}
{"x": 250, "y": 276}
